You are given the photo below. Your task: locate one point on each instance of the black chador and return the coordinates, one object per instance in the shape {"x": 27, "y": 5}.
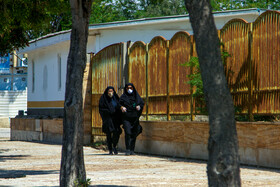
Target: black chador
{"x": 132, "y": 107}
{"x": 109, "y": 109}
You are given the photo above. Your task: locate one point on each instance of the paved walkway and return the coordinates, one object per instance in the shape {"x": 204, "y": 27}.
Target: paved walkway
{"x": 37, "y": 164}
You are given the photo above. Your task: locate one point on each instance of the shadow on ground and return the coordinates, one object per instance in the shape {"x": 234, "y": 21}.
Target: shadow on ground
{"x": 4, "y": 150}
{"x": 260, "y": 168}
{"x": 7, "y": 174}
{"x": 109, "y": 185}
{"x": 198, "y": 161}
{"x": 3, "y": 158}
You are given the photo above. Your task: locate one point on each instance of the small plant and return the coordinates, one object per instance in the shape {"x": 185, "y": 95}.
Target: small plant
{"x": 196, "y": 83}
{"x": 241, "y": 118}
{"x": 82, "y": 183}
{"x": 100, "y": 145}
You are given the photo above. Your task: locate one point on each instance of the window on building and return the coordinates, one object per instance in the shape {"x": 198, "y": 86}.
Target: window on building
{"x": 59, "y": 71}
{"x": 45, "y": 78}
{"x": 33, "y": 76}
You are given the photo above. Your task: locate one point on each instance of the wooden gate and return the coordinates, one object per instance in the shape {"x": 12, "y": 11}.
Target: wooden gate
{"x": 106, "y": 71}
{"x": 252, "y": 70}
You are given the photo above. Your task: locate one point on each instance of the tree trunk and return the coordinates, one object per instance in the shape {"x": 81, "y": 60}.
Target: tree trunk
{"x": 223, "y": 163}
{"x": 72, "y": 160}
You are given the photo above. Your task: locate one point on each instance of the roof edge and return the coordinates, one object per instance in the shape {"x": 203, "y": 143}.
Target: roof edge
{"x": 175, "y": 16}
{"x": 112, "y": 24}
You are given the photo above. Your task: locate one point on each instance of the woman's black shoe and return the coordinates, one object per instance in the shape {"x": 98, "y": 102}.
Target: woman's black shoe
{"x": 127, "y": 153}
{"x": 132, "y": 153}
{"x": 115, "y": 150}
{"x": 110, "y": 153}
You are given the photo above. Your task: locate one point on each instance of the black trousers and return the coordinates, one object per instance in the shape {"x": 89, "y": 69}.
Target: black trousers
{"x": 130, "y": 141}
{"x": 112, "y": 140}
{"x": 132, "y": 129}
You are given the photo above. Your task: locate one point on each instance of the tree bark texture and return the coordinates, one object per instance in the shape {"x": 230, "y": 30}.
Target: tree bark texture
{"x": 72, "y": 159}
{"x": 223, "y": 163}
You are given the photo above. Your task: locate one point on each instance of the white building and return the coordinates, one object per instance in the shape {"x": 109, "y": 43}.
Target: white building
{"x": 13, "y": 84}
{"x": 47, "y": 56}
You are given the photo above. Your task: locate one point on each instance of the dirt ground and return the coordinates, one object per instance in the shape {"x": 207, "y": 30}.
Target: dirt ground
{"x": 37, "y": 164}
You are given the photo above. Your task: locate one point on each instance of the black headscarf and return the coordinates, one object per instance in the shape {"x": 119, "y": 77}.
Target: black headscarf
{"x": 127, "y": 99}
{"x": 110, "y": 113}
{"x": 105, "y": 102}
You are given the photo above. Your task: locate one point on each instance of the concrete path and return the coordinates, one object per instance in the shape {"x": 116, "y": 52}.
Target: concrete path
{"x": 37, "y": 164}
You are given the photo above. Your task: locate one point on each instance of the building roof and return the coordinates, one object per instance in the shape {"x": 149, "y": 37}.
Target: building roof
{"x": 173, "y": 18}
{"x": 130, "y": 24}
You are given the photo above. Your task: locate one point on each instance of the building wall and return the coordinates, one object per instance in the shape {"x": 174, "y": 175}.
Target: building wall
{"x": 44, "y": 75}
{"x": 108, "y": 37}
{"x": 13, "y": 73}
{"x": 258, "y": 142}
{"x": 19, "y": 82}
{"x": 46, "y": 85}
{"x": 43, "y": 86}
{"x": 11, "y": 102}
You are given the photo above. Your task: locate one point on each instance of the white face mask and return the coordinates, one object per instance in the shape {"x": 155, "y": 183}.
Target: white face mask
{"x": 130, "y": 91}
{"x": 110, "y": 94}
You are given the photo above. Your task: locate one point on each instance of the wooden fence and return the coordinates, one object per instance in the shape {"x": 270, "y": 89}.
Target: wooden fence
{"x": 106, "y": 71}
{"x": 252, "y": 69}
{"x": 156, "y": 71}
{"x": 254, "y": 61}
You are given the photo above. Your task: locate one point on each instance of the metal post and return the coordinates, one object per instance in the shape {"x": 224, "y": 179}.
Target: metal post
{"x": 167, "y": 82}
{"x": 14, "y": 59}
{"x": 125, "y": 65}
{"x": 250, "y": 80}
{"x": 123, "y": 58}
{"x": 12, "y": 78}
{"x": 124, "y": 69}
{"x": 191, "y": 71}
{"x": 92, "y": 110}
{"x": 147, "y": 95}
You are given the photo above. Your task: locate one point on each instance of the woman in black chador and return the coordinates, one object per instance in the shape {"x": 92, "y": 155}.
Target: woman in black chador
{"x": 109, "y": 109}
{"x": 132, "y": 107}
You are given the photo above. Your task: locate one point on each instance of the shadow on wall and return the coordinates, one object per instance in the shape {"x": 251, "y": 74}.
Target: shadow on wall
{"x": 238, "y": 82}
{"x": 11, "y": 96}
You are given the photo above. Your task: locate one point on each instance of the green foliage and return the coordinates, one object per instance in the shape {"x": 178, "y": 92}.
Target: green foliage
{"x": 242, "y": 118}
{"x": 100, "y": 145}
{"x": 109, "y": 10}
{"x": 23, "y": 20}
{"x": 195, "y": 80}
{"x": 222, "y": 5}
{"x": 82, "y": 183}
{"x": 161, "y": 8}
{"x": 105, "y": 11}
{"x": 266, "y": 118}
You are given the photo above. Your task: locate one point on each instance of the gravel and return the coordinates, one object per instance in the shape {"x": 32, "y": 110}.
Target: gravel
{"x": 38, "y": 164}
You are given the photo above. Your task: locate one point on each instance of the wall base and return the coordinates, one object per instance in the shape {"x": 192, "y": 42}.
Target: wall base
{"x": 44, "y": 130}
{"x": 258, "y": 142}
{"x": 4, "y": 122}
